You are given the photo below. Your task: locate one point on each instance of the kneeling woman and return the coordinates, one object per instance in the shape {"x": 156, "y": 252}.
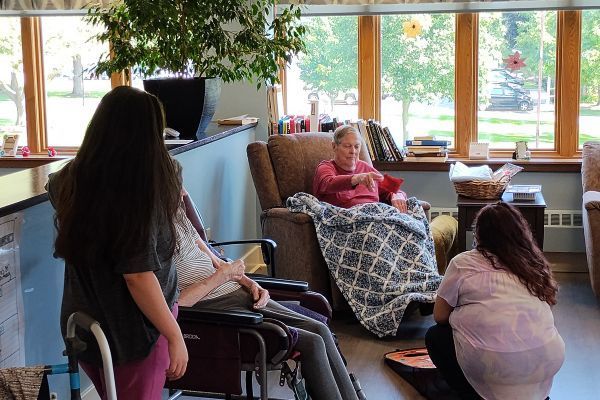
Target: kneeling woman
{"x": 206, "y": 281}
{"x": 501, "y": 342}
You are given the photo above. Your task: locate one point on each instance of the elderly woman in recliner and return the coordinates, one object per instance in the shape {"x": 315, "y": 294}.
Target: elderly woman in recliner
{"x": 346, "y": 181}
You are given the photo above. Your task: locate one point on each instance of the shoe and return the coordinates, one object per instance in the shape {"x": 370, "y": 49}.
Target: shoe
{"x": 359, "y": 392}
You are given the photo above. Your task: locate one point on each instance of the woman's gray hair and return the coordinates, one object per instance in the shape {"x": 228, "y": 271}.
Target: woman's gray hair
{"x": 342, "y": 131}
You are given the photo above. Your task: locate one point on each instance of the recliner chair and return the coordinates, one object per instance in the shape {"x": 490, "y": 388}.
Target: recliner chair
{"x": 590, "y": 177}
{"x": 223, "y": 344}
{"x": 282, "y": 167}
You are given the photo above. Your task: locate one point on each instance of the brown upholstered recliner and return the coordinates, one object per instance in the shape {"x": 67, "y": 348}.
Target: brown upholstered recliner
{"x": 590, "y": 177}
{"x": 281, "y": 168}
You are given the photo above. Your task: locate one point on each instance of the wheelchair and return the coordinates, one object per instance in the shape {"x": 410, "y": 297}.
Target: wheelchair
{"x": 223, "y": 344}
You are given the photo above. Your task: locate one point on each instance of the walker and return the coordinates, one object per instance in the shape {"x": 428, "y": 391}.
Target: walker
{"x": 74, "y": 346}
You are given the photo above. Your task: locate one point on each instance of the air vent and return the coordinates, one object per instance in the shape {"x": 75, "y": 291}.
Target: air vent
{"x": 437, "y": 211}
{"x": 562, "y": 219}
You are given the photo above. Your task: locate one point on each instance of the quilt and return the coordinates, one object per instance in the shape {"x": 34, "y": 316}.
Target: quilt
{"x": 380, "y": 258}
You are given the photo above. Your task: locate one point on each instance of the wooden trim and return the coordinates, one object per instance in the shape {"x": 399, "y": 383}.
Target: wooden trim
{"x": 465, "y": 81}
{"x": 568, "y": 69}
{"x": 28, "y": 162}
{"x": 537, "y": 165}
{"x": 369, "y": 67}
{"x": 34, "y": 87}
{"x": 119, "y": 79}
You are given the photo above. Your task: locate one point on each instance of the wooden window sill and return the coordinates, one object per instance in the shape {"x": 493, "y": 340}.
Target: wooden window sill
{"x": 533, "y": 165}
{"x": 28, "y": 162}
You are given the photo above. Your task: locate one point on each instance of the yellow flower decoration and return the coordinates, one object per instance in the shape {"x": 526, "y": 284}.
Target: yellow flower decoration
{"x": 412, "y": 28}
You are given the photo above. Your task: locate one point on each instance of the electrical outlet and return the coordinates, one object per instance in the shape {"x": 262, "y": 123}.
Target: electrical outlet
{"x": 53, "y": 396}
{"x": 208, "y": 233}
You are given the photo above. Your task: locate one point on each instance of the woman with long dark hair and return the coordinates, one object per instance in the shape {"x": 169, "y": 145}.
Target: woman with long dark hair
{"x": 495, "y": 336}
{"x": 115, "y": 207}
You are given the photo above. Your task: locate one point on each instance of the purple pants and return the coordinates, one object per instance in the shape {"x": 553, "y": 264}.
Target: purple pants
{"x": 140, "y": 379}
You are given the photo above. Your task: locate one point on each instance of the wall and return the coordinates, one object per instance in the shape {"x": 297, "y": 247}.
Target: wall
{"x": 562, "y": 191}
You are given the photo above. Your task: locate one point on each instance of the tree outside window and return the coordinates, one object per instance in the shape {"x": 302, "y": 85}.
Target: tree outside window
{"x": 589, "y": 110}
{"x": 12, "y": 98}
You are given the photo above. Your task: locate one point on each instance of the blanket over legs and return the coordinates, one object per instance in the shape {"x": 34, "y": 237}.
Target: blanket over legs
{"x": 380, "y": 258}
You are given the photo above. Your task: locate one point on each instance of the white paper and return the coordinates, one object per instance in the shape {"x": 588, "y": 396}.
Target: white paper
{"x": 12, "y": 326}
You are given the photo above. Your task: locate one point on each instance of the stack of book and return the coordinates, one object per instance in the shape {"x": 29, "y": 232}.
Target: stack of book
{"x": 379, "y": 141}
{"x": 427, "y": 148}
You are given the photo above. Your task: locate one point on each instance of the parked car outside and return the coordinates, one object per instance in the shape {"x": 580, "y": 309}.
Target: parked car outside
{"x": 507, "y": 96}
{"x": 500, "y": 76}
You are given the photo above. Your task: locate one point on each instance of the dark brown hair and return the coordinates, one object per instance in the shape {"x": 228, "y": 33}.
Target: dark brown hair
{"x": 501, "y": 231}
{"x": 122, "y": 189}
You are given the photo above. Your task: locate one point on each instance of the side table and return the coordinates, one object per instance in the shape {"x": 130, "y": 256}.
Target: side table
{"x": 533, "y": 211}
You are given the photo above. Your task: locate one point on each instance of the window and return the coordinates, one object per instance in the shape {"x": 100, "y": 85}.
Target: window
{"x": 589, "y": 103}
{"x": 12, "y": 97}
{"x": 327, "y": 71}
{"x": 72, "y": 92}
{"x": 517, "y": 75}
{"x": 417, "y": 75}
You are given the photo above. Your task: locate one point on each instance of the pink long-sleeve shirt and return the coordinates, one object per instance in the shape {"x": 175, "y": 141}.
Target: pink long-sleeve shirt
{"x": 333, "y": 185}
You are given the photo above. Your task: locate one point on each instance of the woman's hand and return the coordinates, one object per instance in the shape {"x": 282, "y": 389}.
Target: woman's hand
{"x": 367, "y": 178}
{"x": 178, "y": 358}
{"x": 399, "y": 201}
{"x": 261, "y": 296}
{"x": 233, "y": 270}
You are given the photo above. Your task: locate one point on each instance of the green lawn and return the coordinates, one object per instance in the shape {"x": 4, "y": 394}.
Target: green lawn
{"x": 91, "y": 94}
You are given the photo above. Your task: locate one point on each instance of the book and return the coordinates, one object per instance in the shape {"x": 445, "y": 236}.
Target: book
{"x": 440, "y": 159}
{"x": 444, "y": 143}
{"x": 360, "y": 124}
{"x": 398, "y": 154}
{"x": 239, "y": 120}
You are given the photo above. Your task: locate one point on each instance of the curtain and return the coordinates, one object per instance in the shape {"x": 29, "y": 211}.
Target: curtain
{"x": 431, "y": 6}
{"x": 49, "y": 5}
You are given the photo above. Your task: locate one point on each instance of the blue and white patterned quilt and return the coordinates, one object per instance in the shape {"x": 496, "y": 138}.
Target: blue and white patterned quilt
{"x": 380, "y": 258}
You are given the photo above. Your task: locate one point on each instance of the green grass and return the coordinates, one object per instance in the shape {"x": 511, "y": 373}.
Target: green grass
{"x": 4, "y": 121}
{"x": 492, "y": 120}
{"x": 91, "y": 94}
{"x": 586, "y": 112}
{"x": 4, "y": 96}
{"x": 495, "y": 137}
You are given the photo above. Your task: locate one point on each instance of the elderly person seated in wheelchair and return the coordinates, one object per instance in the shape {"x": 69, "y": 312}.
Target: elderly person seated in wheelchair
{"x": 206, "y": 281}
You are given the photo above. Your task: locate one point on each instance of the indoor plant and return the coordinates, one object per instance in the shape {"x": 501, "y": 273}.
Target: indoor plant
{"x": 198, "y": 43}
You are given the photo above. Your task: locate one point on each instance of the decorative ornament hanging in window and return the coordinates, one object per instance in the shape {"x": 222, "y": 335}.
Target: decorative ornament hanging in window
{"x": 514, "y": 62}
{"x": 412, "y": 28}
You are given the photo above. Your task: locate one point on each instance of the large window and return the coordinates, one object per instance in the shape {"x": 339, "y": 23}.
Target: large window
{"x": 72, "y": 92}
{"x": 589, "y": 108}
{"x": 327, "y": 72}
{"x": 417, "y": 75}
{"x": 484, "y": 77}
{"x": 12, "y": 97}
{"x": 517, "y": 76}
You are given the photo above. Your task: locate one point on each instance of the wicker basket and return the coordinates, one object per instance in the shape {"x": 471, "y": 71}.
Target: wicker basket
{"x": 482, "y": 190}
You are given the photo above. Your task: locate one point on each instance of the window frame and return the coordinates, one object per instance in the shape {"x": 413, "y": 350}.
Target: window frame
{"x": 568, "y": 53}
{"x": 34, "y": 88}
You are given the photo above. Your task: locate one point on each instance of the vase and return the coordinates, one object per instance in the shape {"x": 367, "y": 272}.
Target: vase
{"x": 189, "y": 103}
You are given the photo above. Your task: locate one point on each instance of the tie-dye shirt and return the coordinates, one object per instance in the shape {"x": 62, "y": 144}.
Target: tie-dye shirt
{"x": 498, "y": 324}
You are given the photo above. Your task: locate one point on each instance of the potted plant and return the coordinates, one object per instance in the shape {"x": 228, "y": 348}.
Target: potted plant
{"x": 188, "y": 47}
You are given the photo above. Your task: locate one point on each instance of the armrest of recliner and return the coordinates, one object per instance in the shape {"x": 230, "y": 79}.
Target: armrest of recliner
{"x": 285, "y": 214}
{"x": 279, "y": 284}
{"x": 220, "y": 317}
{"x": 591, "y": 200}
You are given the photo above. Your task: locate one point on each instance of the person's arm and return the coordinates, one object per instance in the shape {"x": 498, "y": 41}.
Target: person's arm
{"x": 260, "y": 295}
{"x": 398, "y": 200}
{"x": 328, "y": 181}
{"x": 441, "y": 311}
{"x": 147, "y": 294}
{"x": 192, "y": 294}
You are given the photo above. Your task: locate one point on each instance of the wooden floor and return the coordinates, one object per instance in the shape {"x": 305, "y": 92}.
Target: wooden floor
{"x": 577, "y": 317}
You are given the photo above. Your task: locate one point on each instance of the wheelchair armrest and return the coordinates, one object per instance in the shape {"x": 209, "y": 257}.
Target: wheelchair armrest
{"x": 279, "y": 284}
{"x": 312, "y": 300}
{"x": 220, "y": 317}
{"x": 267, "y": 247}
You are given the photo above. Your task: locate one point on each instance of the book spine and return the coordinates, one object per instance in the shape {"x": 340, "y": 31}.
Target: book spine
{"x": 442, "y": 143}
{"x": 375, "y": 136}
{"x": 395, "y": 150}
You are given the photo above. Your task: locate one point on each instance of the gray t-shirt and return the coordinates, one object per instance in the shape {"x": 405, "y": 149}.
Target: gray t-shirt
{"x": 103, "y": 294}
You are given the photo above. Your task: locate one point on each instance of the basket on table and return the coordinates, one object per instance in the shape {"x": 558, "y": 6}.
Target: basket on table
{"x": 482, "y": 190}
